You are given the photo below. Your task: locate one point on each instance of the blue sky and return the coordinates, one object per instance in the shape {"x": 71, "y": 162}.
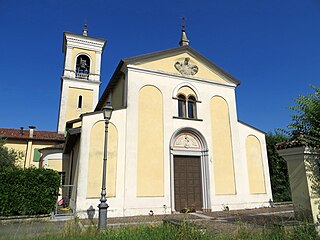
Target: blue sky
{"x": 272, "y": 47}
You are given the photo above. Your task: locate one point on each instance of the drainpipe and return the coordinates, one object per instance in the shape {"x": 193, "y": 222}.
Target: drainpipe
{"x": 29, "y": 145}
{"x": 25, "y": 153}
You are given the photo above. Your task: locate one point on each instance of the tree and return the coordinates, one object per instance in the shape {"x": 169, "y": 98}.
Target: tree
{"x": 278, "y": 169}
{"x": 306, "y": 120}
{"x": 8, "y": 157}
{"x": 304, "y": 130}
{"x": 305, "y": 127}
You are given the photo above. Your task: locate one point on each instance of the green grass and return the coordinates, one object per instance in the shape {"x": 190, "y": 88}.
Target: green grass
{"x": 143, "y": 232}
{"x": 188, "y": 232}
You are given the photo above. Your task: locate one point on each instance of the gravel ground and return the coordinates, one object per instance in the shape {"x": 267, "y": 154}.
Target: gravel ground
{"x": 30, "y": 229}
{"x": 254, "y": 219}
{"x": 216, "y": 221}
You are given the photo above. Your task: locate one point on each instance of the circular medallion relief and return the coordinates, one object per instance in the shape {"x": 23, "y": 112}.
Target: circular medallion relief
{"x": 186, "y": 140}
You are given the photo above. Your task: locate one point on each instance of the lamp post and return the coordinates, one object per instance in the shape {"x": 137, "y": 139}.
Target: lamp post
{"x": 103, "y": 206}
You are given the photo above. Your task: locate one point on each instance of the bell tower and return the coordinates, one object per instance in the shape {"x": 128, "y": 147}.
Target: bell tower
{"x": 81, "y": 75}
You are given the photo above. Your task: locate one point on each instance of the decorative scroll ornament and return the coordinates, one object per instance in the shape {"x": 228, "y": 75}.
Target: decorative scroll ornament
{"x": 186, "y": 141}
{"x": 184, "y": 67}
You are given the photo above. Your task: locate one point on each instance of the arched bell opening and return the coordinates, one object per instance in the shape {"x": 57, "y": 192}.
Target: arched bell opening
{"x": 83, "y": 66}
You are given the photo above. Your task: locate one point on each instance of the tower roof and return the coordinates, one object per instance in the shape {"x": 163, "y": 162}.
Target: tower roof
{"x": 184, "y": 39}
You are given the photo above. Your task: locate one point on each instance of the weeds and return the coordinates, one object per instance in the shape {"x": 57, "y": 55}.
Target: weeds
{"x": 183, "y": 231}
{"x": 190, "y": 232}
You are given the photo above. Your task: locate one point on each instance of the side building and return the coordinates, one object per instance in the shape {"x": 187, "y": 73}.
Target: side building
{"x": 30, "y": 144}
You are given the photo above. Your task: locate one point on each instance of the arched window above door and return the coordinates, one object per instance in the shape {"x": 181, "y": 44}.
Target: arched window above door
{"x": 192, "y": 109}
{"x": 182, "y": 106}
{"x": 187, "y": 106}
{"x": 187, "y": 102}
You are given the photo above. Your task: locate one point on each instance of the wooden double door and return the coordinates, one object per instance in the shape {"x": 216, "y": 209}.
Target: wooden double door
{"x": 187, "y": 183}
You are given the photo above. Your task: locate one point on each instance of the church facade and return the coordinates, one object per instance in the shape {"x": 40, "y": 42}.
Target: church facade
{"x": 174, "y": 142}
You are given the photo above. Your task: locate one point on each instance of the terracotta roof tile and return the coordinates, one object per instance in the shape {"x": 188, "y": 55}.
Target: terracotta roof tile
{"x": 298, "y": 139}
{"x": 13, "y": 133}
{"x": 290, "y": 143}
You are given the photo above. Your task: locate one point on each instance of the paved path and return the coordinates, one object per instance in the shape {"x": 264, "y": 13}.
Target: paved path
{"x": 30, "y": 230}
{"x": 202, "y": 216}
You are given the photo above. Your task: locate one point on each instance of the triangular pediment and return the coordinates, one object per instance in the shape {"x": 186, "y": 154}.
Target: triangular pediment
{"x": 183, "y": 61}
{"x": 168, "y": 61}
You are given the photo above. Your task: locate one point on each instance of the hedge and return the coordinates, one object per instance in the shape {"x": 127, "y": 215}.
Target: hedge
{"x": 28, "y": 191}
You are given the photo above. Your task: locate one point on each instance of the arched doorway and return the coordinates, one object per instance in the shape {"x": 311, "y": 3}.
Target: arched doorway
{"x": 189, "y": 171}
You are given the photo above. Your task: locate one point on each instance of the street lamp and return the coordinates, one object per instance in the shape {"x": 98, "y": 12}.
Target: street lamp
{"x": 103, "y": 206}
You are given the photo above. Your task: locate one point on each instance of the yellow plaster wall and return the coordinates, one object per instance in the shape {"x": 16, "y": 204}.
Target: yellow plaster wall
{"x": 117, "y": 94}
{"x": 222, "y": 147}
{"x": 299, "y": 187}
{"x": 313, "y": 193}
{"x": 167, "y": 65}
{"x": 28, "y": 152}
{"x": 92, "y": 55}
{"x": 96, "y": 160}
{"x": 72, "y": 110}
{"x": 55, "y": 164}
{"x": 77, "y": 124}
{"x": 18, "y": 146}
{"x": 38, "y": 145}
{"x": 187, "y": 91}
{"x": 150, "y": 176}
{"x": 255, "y": 165}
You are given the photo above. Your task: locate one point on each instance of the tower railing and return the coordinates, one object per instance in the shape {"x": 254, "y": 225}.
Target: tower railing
{"x": 82, "y": 75}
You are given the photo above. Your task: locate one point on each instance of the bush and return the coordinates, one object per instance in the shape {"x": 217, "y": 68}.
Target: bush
{"x": 28, "y": 191}
{"x": 278, "y": 169}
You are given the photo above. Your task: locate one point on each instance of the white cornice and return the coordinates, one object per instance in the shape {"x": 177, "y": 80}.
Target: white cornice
{"x": 177, "y": 76}
{"x": 81, "y": 41}
{"x": 75, "y": 40}
{"x": 77, "y": 80}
